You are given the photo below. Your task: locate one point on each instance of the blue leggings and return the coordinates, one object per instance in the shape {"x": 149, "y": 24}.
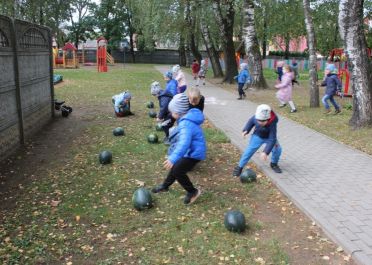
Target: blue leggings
{"x": 253, "y": 146}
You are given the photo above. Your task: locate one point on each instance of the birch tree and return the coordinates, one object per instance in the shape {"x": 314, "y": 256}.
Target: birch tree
{"x": 252, "y": 47}
{"x": 350, "y": 22}
{"x": 314, "y": 89}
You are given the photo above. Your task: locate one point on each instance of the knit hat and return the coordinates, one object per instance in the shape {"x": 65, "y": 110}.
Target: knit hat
{"x": 155, "y": 88}
{"x": 127, "y": 95}
{"x": 168, "y": 74}
{"x": 243, "y": 66}
{"x": 179, "y": 104}
{"x": 263, "y": 112}
{"x": 176, "y": 68}
{"x": 332, "y": 68}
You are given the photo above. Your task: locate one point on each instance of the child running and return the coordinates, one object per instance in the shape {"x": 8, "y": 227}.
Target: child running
{"x": 242, "y": 79}
{"x": 284, "y": 94}
{"x": 264, "y": 122}
{"x": 188, "y": 147}
{"x": 333, "y": 86}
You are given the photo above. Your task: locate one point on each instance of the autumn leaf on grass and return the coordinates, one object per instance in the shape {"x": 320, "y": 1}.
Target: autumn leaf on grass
{"x": 140, "y": 183}
{"x": 54, "y": 203}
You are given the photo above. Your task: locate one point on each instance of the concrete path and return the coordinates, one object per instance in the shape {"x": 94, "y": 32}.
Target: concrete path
{"x": 330, "y": 182}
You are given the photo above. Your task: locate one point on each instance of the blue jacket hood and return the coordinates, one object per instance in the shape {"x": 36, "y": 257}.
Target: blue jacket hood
{"x": 193, "y": 115}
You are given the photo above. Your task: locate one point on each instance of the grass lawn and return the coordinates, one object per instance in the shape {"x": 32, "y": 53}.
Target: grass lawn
{"x": 334, "y": 126}
{"x": 66, "y": 208}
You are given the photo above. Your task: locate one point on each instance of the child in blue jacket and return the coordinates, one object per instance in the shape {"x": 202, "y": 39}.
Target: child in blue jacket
{"x": 122, "y": 104}
{"x": 164, "y": 115}
{"x": 188, "y": 147}
{"x": 242, "y": 78}
{"x": 333, "y": 85}
{"x": 264, "y": 122}
{"x": 172, "y": 84}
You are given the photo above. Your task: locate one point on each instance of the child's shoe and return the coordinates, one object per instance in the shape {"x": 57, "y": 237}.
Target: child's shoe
{"x": 293, "y": 110}
{"x": 237, "y": 171}
{"x": 337, "y": 111}
{"x": 160, "y": 188}
{"x": 275, "y": 167}
{"x": 191, "y": 197}
{"x": 239, "y": 98}
{"x": 327, "y": 111}
{"x": 282, "y": 105}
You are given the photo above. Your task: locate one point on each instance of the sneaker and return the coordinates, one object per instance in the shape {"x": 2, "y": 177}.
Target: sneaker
{"x": 237, "y": 171}
{"x": 191, "y": 197}
{"x": 293, "y": 110}
{"x": 337, "y": 111}
{"x": 275, "y": 167}
{"x": 327, "y": 111}
{"x": 160, "y": 188}
{"x": 239, "y": 98}
{"x": 282, "y": 105}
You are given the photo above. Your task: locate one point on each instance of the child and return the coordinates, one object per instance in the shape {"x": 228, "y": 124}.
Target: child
{"x": 279, "y": 70}
{"x": 242, "y": 79}
{"x": 333, "y": 85}
{"x": 294, "y": 69}
{"x": 284, "y": 93}
{"x": 202, "y": 72}
{"x": 195, "y": 98}
{"x": 164, "y": 115}
{"x": 179, "y": 76}
{"x": 265, "y": 123}
{"x": 187, "y": 148}
{"x": 122, "y": 104}
{"x": 195, "y": 67}
{"x": 171, "y": 83}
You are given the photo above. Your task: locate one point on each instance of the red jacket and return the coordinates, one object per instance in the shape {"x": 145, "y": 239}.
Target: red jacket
{"x": 195, "y": 67}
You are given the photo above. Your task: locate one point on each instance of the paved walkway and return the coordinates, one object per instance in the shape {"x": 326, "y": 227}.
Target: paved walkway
{"x": 330, "y": 182}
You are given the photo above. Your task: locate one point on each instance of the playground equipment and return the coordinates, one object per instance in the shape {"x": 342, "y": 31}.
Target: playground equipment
{"x": 87, "y": 54}
{"x": 101, "y": 54}
{"x": 338, "y": 56}
{"x": 65, "y": 57}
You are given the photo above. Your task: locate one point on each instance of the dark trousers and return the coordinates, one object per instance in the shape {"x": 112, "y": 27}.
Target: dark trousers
{"x": 178, "y": 172}
{"x": 240, "y": 89}
{"x": 169, "y": 125}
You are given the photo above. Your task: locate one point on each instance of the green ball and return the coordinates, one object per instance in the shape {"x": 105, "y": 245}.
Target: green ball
{"x": 235, "y": 221}
{"x": 152, "y": 138}
{"x": 150, "y": 105}
{"x": 159, "y": 127}
{"x": 142, "y": 199}
{"x": 152, "y": 114}
{"x": 105, "y": 157}
{"x": 247, "y": 176}
{"x": 118, "y": 131}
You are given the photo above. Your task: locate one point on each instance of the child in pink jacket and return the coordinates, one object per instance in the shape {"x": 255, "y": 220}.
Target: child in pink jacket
{"x": 284, "y": 94}
{"x": 179, "y": 76}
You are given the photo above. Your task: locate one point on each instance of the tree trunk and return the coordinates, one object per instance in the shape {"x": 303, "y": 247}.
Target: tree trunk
{"x": 314, "y": 89}
{"x": 190, "y": 21}
{"x": 211, "y": 50}
{"x": 264, "y": 37}
{"x": 287, "y": 40}
{"x": 182, "y": 51}
{"x": 226, "y": 26}
{"x": 350, "y": 20}
{"x": 251, "y": 46}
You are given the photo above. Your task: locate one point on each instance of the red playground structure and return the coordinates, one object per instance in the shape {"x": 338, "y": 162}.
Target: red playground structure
{"x": 338, "y": 57}
{"x": 101, "y": 54}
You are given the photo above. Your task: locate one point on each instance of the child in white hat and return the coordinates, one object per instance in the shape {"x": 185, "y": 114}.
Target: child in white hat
{"x": 264, "y": 122}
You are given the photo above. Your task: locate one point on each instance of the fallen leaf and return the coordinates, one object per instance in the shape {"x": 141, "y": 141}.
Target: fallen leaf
{"x": 77, "y": 218}
{"x": 325, "y": 257}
